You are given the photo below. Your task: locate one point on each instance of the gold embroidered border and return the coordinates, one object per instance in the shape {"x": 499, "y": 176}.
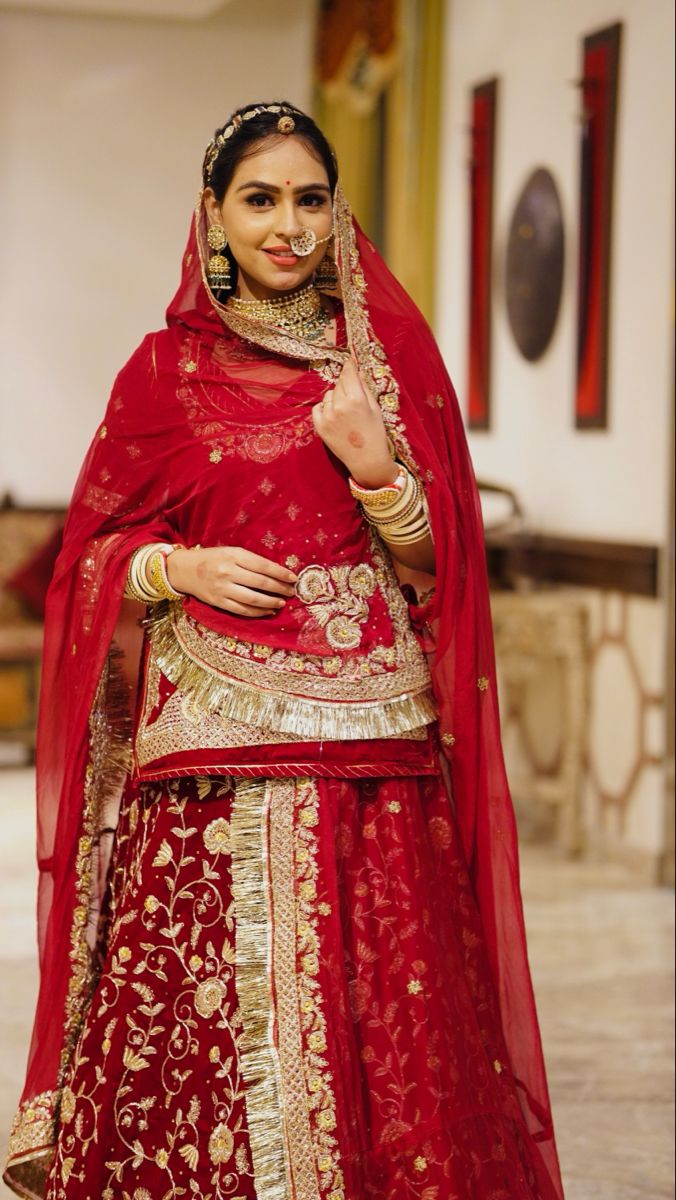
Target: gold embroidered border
{"x": 361, "y": 337}
{"x": 311, "y": 1069}
{"x": 282, "y": 870}
{"x": 210, "y": 688}
{"x": 260, "y": 1063}
{"x": 177, "y": 728}
{"x": 30, "y": 1149}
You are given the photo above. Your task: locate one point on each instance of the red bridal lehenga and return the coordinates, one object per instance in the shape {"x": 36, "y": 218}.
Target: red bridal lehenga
{"x": 281, "y": 940}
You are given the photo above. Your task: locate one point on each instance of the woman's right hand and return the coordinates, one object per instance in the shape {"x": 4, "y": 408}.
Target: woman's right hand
{"x": 231, "y": 578}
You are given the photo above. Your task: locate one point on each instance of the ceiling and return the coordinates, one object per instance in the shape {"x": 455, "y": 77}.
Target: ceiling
{"x": 186, "y": 10}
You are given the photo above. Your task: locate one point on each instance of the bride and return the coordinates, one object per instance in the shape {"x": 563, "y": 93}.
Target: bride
{"x": 281, "y": 940}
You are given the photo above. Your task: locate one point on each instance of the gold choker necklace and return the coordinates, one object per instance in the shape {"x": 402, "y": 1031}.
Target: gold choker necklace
{"x": 301, "y": 314}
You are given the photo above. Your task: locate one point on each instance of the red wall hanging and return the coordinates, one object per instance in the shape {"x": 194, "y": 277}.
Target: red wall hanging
{"x": 598, "y": 85}
{"x": 482, "y": 161}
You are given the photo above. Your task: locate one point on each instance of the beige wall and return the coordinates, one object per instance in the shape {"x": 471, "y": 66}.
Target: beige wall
{"x": 609, "y": 484}
{"x": 612, "y": 484}
{"x": 104, "y": 126}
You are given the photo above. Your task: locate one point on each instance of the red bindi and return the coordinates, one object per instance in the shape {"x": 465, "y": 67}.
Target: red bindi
{"x": 288, "y": 182}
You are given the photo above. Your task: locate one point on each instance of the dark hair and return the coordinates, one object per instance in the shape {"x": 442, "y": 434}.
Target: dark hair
{"x": 256, "y": 129}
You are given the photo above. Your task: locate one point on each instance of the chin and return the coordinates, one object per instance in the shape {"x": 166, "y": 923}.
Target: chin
{"x": 286, "y": 282}
{"x": 288, "y": 285}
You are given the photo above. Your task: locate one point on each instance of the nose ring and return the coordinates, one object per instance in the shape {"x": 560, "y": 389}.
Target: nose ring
{"x": 306, "y": 242}
{"x": 303, "y": 243}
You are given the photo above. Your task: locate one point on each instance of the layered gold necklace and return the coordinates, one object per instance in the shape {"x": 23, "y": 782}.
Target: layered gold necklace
{"x": 301, "y": 314}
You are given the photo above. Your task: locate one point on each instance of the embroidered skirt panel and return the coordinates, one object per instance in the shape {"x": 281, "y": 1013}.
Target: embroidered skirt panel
{"x": 295, "y": 1002}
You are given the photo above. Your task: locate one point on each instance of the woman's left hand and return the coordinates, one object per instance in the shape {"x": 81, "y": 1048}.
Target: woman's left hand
{"x": 350, "y": 423}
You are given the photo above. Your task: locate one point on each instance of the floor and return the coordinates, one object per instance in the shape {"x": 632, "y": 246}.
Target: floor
{"x": 602, "y": 957}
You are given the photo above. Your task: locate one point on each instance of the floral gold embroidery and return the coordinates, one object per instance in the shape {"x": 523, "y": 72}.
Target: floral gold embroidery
{"x": 221, "y": 1144}
{"x": 162, "y": 1021}
{"x": 216, "y": 836}
{"x": 209, "y": 995}
{"x": 337, "y": 599}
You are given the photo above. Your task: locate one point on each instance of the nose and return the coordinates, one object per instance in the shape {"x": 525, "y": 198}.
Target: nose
{"x": 288, "y": 220}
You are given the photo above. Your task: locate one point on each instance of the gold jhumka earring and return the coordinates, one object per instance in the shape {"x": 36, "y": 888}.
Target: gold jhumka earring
{"x": 218, "y": 267}
{"x": 326, "y": 275}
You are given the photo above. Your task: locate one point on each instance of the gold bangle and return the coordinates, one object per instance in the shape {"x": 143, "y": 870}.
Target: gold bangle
{"x": 410, "y": 540}
{"x": 158, "y": 578}
{"x": 414, "y": 527}
{"x": 410, "y": 504}
{"x": 147, "y": 579}
{"x": 409, "y": 537}
{"x": 133, "y": 585}
{"x": 384, "y": 497}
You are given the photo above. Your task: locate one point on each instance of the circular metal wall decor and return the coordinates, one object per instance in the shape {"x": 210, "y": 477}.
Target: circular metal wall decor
{"x": 534, "y": 267}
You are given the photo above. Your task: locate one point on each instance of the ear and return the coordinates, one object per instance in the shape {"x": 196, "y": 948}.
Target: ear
{"x": 211, "y": 206}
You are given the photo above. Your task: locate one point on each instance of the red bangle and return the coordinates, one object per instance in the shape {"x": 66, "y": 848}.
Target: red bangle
{"x": 395, "y": 486}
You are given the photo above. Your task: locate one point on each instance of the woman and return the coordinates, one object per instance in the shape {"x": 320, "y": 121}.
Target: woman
{"x": 302, "y": 973}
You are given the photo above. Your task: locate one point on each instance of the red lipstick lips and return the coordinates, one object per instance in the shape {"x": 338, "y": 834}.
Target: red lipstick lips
{"x": 282, "y": 255}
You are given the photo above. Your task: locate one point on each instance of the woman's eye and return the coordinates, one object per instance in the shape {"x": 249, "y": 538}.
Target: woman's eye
{"x": 313, "y": 200}
{"x": 258, "y": 200}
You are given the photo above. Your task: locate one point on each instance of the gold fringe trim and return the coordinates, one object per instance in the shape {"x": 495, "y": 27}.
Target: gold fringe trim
{"x": 286, "y": 976}
{"x": 210, "y": 692}
{"x": 260, "y": 1062}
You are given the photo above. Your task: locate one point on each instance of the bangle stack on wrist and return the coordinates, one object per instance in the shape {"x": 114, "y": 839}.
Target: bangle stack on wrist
{"x": 397, "y": 511}
{"x": 147, "y": 578}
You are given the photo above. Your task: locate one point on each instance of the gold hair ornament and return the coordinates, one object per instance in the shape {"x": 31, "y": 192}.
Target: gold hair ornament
{"x": 285, "y": 124}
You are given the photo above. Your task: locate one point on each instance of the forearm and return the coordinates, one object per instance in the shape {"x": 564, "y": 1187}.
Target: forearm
{"x": 418, "y": 556}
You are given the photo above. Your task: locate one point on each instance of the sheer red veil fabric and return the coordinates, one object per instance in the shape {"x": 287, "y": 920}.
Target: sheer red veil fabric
{"x": 131, "y": 483}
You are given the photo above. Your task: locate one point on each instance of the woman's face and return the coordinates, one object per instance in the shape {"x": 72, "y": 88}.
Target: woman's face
{"x": 274, "y": 194}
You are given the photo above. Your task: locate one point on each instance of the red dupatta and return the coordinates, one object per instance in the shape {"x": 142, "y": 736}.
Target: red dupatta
{"x": 130, "y": 489}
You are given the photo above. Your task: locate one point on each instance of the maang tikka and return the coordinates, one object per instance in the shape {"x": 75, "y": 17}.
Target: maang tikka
{"x": 218, "y": 267}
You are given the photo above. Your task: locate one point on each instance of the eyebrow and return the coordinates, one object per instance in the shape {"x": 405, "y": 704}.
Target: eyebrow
{"x": 270, "y": 187}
